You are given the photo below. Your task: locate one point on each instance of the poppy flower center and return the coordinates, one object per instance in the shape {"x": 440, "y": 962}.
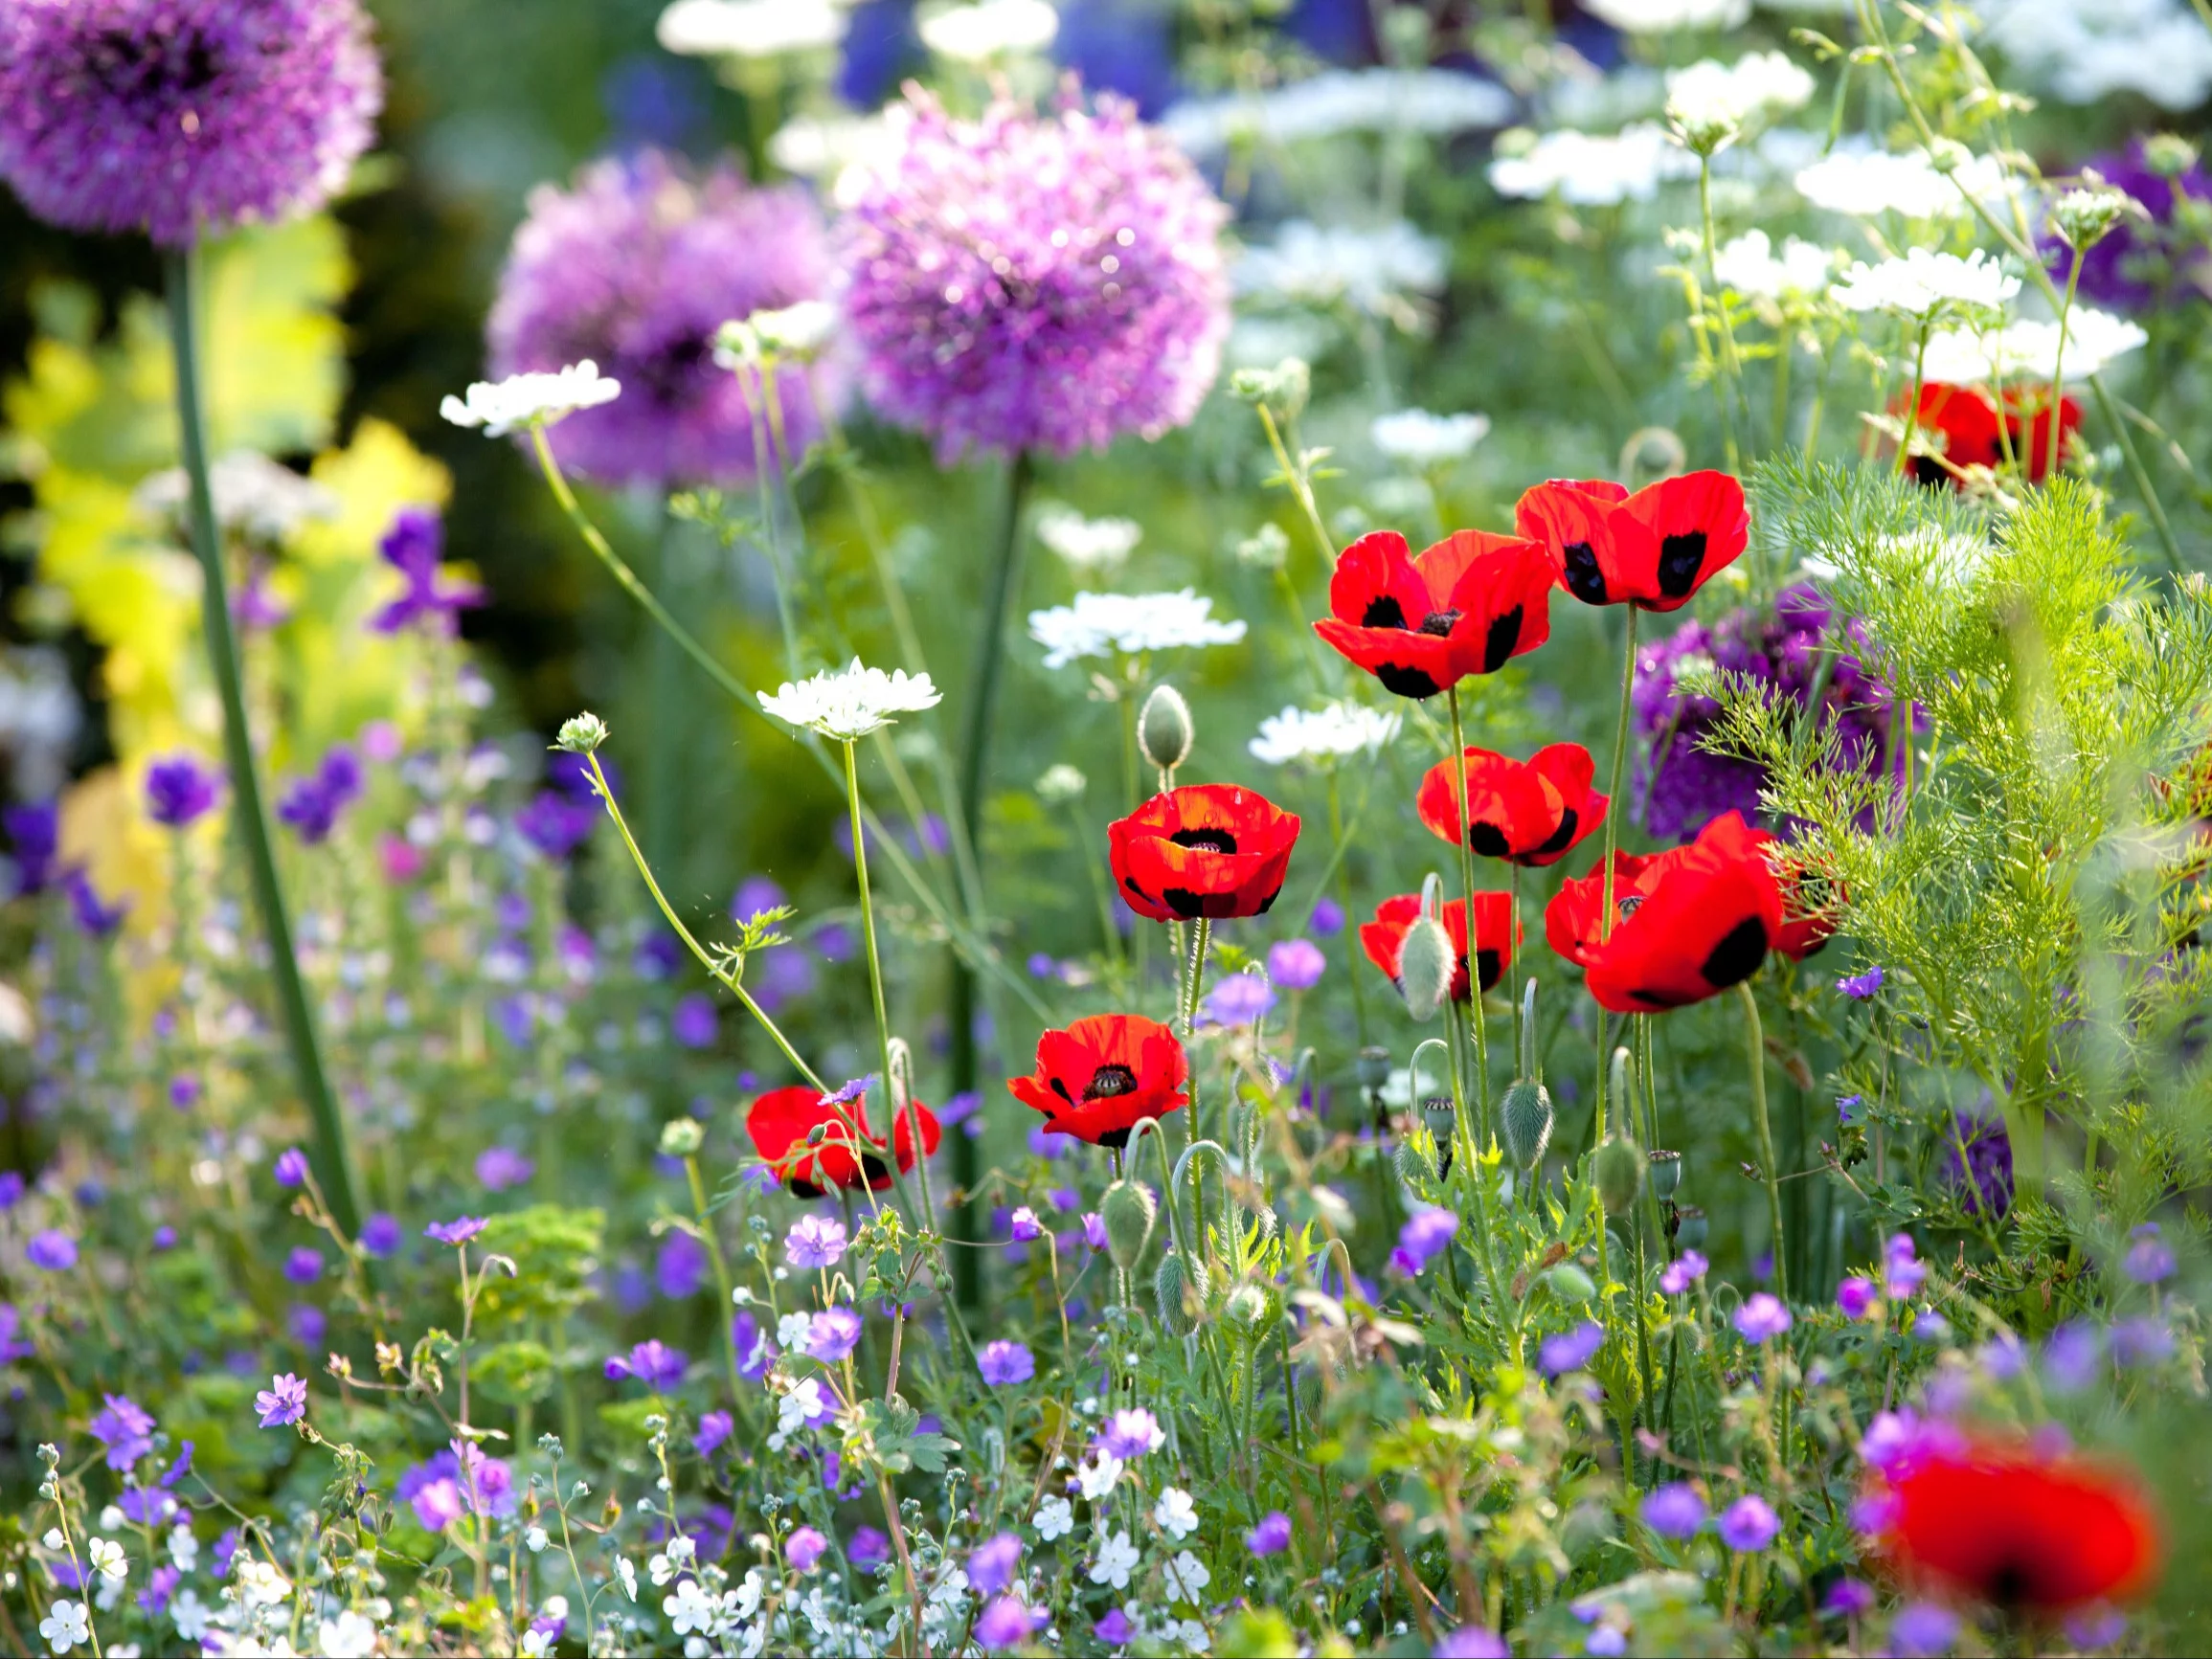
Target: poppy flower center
{"x": 1212, "y": 841}
{"x": 1439, "y": 623}
{"x": 1109, "y": 1081}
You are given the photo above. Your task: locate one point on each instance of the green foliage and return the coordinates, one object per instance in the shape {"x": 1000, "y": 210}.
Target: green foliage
{"x": 555, "y": 1252}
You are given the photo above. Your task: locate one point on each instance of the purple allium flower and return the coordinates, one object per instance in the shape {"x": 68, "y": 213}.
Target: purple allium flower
{"x": 1848, "y": 1598}
{"x": 714, "y": 1427}
{"x": 1856, "y": 1296}
{"x": 994, "y": 1563}
{"x": 1750, "y": 1524}
{"x": 870, "y": 1548}
{"x": 291, "y": 1167}
{"x": 652, "y": 1362}
{"x": 1034, "y": 282}
{"x": 179, "y": 790}
{"x": 305, "y": 1265}
{"x": 1005, "y": 1622}
{"x": 681, "y": 1267}
{"x": 636, "y": 266}
{"x": 1762, "y": 1317}
{"x": 1675, "y": 1510}
{"x": 35, "y": 837}
{"x": 123, "y": 1427}
{"x": 1296, "y": 964}
{"x": 499, "y": 1167}
{"x": 1130, "y": 1433}
{"x": 2140, "y": 1341}
{"x": 2149, "y": 1259}
{"x": 2141, "y": 262}
{"x": 1115, "y": 1629}
{"x": 554, "y": 824}
{"x": 53, "y": 1250}
{"x": 412, "y": 546}
{"x": 311, "y": 805}
{"x": 1474, "y": 1642}
{"x": 1093, "y": 1229}
{"x": 833, "y": 1334}
{"x": 94, "y": 915}
{"x": 1022, "y": 1225}
{"x": 1239, "y": 1000}
{"x": 692, "y": 1022}
{"x": 1923, "y": 1630}
{"x": 1004, "y": 1363}
{"x": 804, "y": 1548}
{"x": 1570, "y": 1350}
{"x": 814, "y": 1241}
{"x": 1423, "y": 1238}
{"x": 458, "y": 1231}
{"x": 282, "y": 1402}
{"x": 1977, "y": 1164}
{"x": 1270, "y": 1537}
{"x": 1678, "y": 787}
{"x": 1684, "y": 1271}
{"x": 183, "y": 118}
{"x": 1860, "y": 987}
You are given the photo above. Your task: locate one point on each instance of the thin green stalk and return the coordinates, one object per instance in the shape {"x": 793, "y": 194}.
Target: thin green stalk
{"x": 1724, "y": 393}
{"x": 2058, "y": 384}
{"x": 333, "y": 1157}
{"x": 723, "y": 1287}
{"x": 2138, "y": 472}
{"x": 1612, "y": 840}
{"x": 1912, "y": 403}
{"x": 1344, "y": 897}
{"x": 1194, "y": 979}
{"x": 1467, "y": 883}
{"x": 1755, "y": 1038}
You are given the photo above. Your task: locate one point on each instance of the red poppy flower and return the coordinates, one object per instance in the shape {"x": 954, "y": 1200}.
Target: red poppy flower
{"x": 1529, "y": 812}
{"x": 1419, "y": 625}
{"x": 2018, "y": 1530}
{"x": 1690, "y": 923}
{"x": 1653, "y": 549}
{"x": 1496, "y": 936}
{"x": 1099, "y": 1078}
{"x": 1974, "y": 434}
{"x": 1807, "y": 908}
{"x": 1209, "y": 849}
{"x": 782, "y": 1123}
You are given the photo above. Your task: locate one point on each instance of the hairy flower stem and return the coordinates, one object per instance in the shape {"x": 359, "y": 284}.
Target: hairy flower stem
{"x": 1755, "y": 1039}
{"x": 333, "y": 1157}
{"x": 1474, "y": 952}
{"x": 1194, "y": 980}
{"x": 974, "y": 771}
{"x": 1606, "y": 916}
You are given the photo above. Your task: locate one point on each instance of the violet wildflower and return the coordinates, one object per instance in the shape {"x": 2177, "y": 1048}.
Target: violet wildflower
{"x": 804, "y": 1548}
{"x": 2095, "y": 1627}
{"x": 870, "y": 1548}
{"x": 1240, "y": 1000}
{"x": 652, "y": 1362}
{"x": 833, "y": 1334}
{"x": 1923, "y": 1630}
{"x": 1115, "y": 1629}
{"x": 284, "y": 1401}
{"x": 1891, "y": 1438}
{"x": 715, "y": 1428}
{"x": 124, "y": 1429}
{"x": 1005, "y": 1622}
{"x": 93, "y": 914}
{"x": 457, "y": 1232}
{"x": 1675, "y": 1510}
{"x": 554, "y": 824}
{"x": 1848, "y": 1598}
{"x": 52, "y": 1250}
{"x": 303, "y": 1266}
{"x": 1570, "y": 1350}
{"x": 183, "y": 118}
{"x": 1022, "y": 1227}
{"x": 161, "y": 1583}
{"x": 11, "y": 1189}
{"x": 1977, "y": 1164}
{"x": 1004, "y": 1363}
{"x": 1855, "y": 1297}
{"x": 311, "y": 805}
{"x": 1033, "y": 280}
{"x": 637, "y": 266}
{"x": 1605, "y": 1641}
{"x": 180, "y": 790}
{"x": 692, "y": 1022}
{"x": 2070, "y": 1357}
{"x": 307, "y": 1324}
{"x": 412, "y": 546}
{"x": 35, "y": 837}
{"x": 1762, "y": 1317}
{"x": 680, "y": 1268}
{"x": 1904, "y": 1272}
{"x": 1684, "y": 1271}
{"x": 1296, "y": 964}
{"x": 1423, "y": 1237}
{"x": 291, "y": 1167}
{"x": 1131, "y": 1433}
{"x": 1476, "y": 1642}
{"x": 1860, "y": 987}
{"x": 2139, "y": 1341}
{"x": 1093, "y": 1229}
{"x": 814, "y": 1241}
{"x": 1750, "y": 1524}
{"x": 2148, "y": 1258}
{"x": 499, "y": 1167}
{"x": 994, "y": 1563}
{"x": 1270, "y": 1537}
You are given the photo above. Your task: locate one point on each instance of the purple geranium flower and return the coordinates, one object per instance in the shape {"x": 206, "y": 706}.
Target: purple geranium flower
{"x": 1856, "y": 1296}
{"x": 94, "y": 915}
{"x": 2148, "y": 1258}
{"x": 814, "y": 1241}
{"x": 499, "y": 1167}
{"x": 1570, "y": 1350}
{"x": 180, "y": 790}
{"x": 1684, "y": 1271}
{"x": 1861, "y": 986}
{"x": 1923, "y": 1630}
{"x": 1423, "y": 1237}
{"x": 458, "y": 1231}
{"x": 2143, "y": 261}
{"x": 412, "y": 546}
{"x": 380, "y": 1234}
{"x": 804, "y": 1548}
{"x": 1977, "y": 1164}
{"x": 1762, "y": 1317}
{"x": 1130, "y": 1433}
{"x": 311, "y": 805}
{"x": 681, "y": 1267}
{"x": 869, "y": 1549}
{"x": 693, "y": 1023}
{"x": 1004, "y": 1363}
{"x": 303, "y": 1266}
{"x": 124, "y": 1429}
{"x": 1023, "y": 1227}
{"x": 994, "y": 1563}
{"x": 53, "y": 1251}
{"x": 1675, "y": 1510}
{"x": 715, "y": 1428}
{"x": 1270, "y": 1537}
{"x": 1296, "y": 964}
{"x": 1005, "y": 1622}
{"x": 1237, "y": 1000}
{"x": 833, "y": 1334}
{"x": 1093, "y": 1229}
{"x": 1476, "y": 1642}
{"x": 652, "y": 1362}
{"x": 1750, "y": 1524}
{"x": 1848, "y": 1598}
{"x": 1904, "y": 1272}
{"x": 1115, "y": 1629}
{"x": 282, "y": 1402}
{"x": 554, "y": 824}
{"x": 2139, "y": 1341}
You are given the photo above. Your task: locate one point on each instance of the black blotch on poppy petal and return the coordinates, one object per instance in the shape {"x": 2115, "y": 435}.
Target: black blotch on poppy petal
{"x": 1659, "y": 999}
{"x": 1738, "y": 954}
{"x": 1488, "y": 840}
{"x": 1487, "y": 964}
{"x": 803, "y": 1189}
{"x": 874, "y": 1168}
{"x": 1584, "y": 579}
{"x": 1208, "y": 840}
{"x": 1562, "y": 836}
{"x": 1383, "y": 612}
{"x": 1267, "y": 904}
{"x": 1406, "y": 681}
{"x": 1497, "y": 643}
{"x": 1061, "y": 1089}
{"x": 1129, "y": 881}
{"x": 1184, "y": 901}
{"x": 1681, "y": 558}
{"x": 1115, "y": 1137}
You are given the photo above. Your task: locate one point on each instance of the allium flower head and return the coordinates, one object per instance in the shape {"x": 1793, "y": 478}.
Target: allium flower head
{"x": 182, "y": 118}
{"x": 1033, "y": 280}
{"x": 846, "y": 703}
{"x": 635, "y": 268}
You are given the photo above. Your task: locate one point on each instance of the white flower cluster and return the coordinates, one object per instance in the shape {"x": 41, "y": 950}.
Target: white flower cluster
{"x": 2027, "y": 350}
{"x": 1749, "y": 266}
{"x": 1367, "y": 269}
{"x": 793, "y": 333}
{"x": 1422, "y": 440}
{"x": 750, "y": 28}
{"x": 1337, "y": 102}
{"x": 1922, "y": 284}
{"x": 1589, "y": 170}
{"x": 1332, "y": 732}
{"x": 2088, "y": 51}
{"x": 1087, "y": 545}
{"x": 822, "y": 146}
{"x": 254, "y": 496}
{"x": 531, "y": 399}
{"x": 845, "y": 704}
{"x": 990, "y": 29}
{"x": 1865, "y": 182}
{"x": 1711, "y": 96}
{"x": 1658, "y": 17}
{"x": 1100, "y": 624}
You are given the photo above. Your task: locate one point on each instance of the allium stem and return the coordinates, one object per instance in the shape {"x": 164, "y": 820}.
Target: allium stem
{"x": 1755, "y": 1038}
{"x": 334, "y": 1161}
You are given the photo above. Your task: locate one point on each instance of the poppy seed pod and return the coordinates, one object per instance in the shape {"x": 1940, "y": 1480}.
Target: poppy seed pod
{"x": 1666, "y": 1172}
{"x": 1128, "y": 1210}
{"x": 1443, "y": 1120}
{"x": 1691, "y": 1227}
{"x": 1180, "y": 1289}
{"x": 1165, "y": 730}
{"x": 1372, "y": 1068}
{"x": 1619, "y": 1170}
{"x": 1526, "y": 1116}
{"x": 1425, "y": 968}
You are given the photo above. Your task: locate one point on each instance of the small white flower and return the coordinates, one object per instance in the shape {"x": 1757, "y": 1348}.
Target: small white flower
{"x": 54, "y": 1540}
{"x": 791, "y": 1330}
{"x": 750, "y": 1592}
{"x": 1098, "y": 1476}
{"x": 184, "y": 1549}
{"x": 1336, "y": 102}
{"x": 111, "y": 1518}
{"x": 262, "y": 499}
{"x": 1332, "y": 732}
{"x": 531, "y": 399}
{"x": 2088, "y": 51}
{"x": 1369, "y": 270}
{"x": 846, "y": 703}
{"x": 659, "y": 1569}
{"x": 805, "y": 1401}
{"x": 260, "y": 1583}
{"x": 106, "y": 1556}
{"x": 535, "y": 1539}
{"x": 535, "y": 1644}
{"x": 951, "y": 1590}
{"x": 1100, "y": 624}
{"x": 682, "y": 1549}
{"x": 1868, "y": 183}
{"x": 189, "y": 1614}
{"x": 1423, "y": 439}
{"x": 2027, "y": 350}
{"x": 1116, "y": 1560}
{"x": 348, "y": 1636}
{"x": 1591, "y": 170}
{"x": 1922, "y": 284}
{"x": 1088, "y": 545}
{"x": 1176, "y": 1515}
{"x": 749, "y": 28}
{"x": 68, "y": 1624}
{"x": 791, "y": 334}
{"x": 1194, "y": 1635}
{"x": 1749, "y": 266}
{"x": 990, "y": 29}
{"x": 1187, "y": 1576}
{"x": 1055, "y": 1518}
{"x": 690, "y": 1608}
{"x": 555, "y": 1607}
{"x": 1715, "y": 99}
{"x": 628, "y": 1575}
{"x": 1656, "y": 17}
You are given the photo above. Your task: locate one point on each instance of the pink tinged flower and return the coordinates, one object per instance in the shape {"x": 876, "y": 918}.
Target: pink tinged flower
{"x": 1855, "y": 1297}
{"x": 457, "y": 1232}
{"x": 1905, "y": 1273}
{"x": 1004, "y": 1363}
{"x": 804, "y": 1548}
{"x": 653, "y": 1363}
{"x": 994, "y": 1565}
{"x": 282, "y": 1402}
{"x": 1296, "y": 964}
{"x": 1684, "y": 1271}
{"x": 438, "y": 1505}
{"x": 1762, "y": 1317}
{"x": 1094, "y": 1230}
{"x": 814, "y": 1241}
{"x": 122, "y": 1426}
{"x": 500, "y": 1166}
{"x": 833, "y": 1334}
{"x": 1006, "y": 1623}
{"x": 1131, "y": 1433}
{"x": 1270, "y": 1537}
{"x": 1750, "y": 1524}
{"x": 1024, "y": 1228}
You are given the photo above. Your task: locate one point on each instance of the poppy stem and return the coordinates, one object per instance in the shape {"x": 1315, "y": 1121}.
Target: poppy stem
{"x": 1756, "y": 1038}
{"x": 1201, "y": 935}
{"x": 1607, "y": 916}
{"x": 1912, "y": 402}
{"x": 1474, "y": 942}
{"x": 332, "y": 1156}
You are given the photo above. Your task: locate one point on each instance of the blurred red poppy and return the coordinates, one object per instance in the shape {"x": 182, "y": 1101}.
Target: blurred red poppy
{"x": 1529, "y": 812}
{"x": 1102, "y": 1076}
{"x": 1496, "y": 937}
{"x": 1973, "y": 435}
{"x": 1420, "y": 625}
{"x": 1653, "y": 549}
{"x": 783, "y": 1124}
{"x": 1209, "y": 849}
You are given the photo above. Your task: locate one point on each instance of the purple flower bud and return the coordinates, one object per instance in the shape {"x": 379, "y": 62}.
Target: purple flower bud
{"x": 804, "y": 1548}
{"x": 303, "y": 1266}
{"x": 291, "y": 1169}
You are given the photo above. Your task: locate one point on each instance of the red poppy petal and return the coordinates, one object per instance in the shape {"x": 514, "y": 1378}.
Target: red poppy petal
{"x": 1407, "y": 665}
{"x": 1574, "y": 523}
{"x": 1376, "y": 586}
{"x": 1694, "y": 524}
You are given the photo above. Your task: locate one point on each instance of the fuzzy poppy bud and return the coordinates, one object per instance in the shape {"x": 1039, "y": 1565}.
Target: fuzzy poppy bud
{"x": 1165, "y": 730}
{"x": 680, "y": 1137}
{"x": 1413, "y": 1166}
{"x": 1128, "y": 1210}
{"x": 1690, "y": 1227}
{"x": 1443, "y": 1120}
{"x": 1571, "y": 1284}
{"x": 1666, "y": 1172}
{"x": 1180, "y": 1289}
{"x": 1618, "y": 1170}
{"x": 1426, "y": 965}
{"x": 1526, "y": 1116}
{"x": 1248, "y": 1308}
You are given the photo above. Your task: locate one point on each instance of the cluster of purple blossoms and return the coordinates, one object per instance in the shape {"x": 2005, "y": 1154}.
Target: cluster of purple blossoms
{"x": 180, "y": 789}
{"x": 122, "y": 1426}
{"x": 1678, "y": 787}
{"x": 412, "y": 546}
{"x": 2143, "y": 262}
{"x": 1684, "y": 1271}
{"x": 1031, "y": 281}
{"x": 311, "y": 805}
{"x": 458, "y": 1481}
{"x": 1239, "y": 1000}
{"x": 183, "y": 118}
{"x": 635, "y": 268}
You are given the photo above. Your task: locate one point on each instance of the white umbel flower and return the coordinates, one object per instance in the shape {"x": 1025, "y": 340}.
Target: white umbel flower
{"x": 519, "y": 400}
{"x": 1868, "y": 183}
{"x": 1711, "y": 95}
{"x": 1368, "y": 269}
{"x": 1100, "y": 624}
{"x": 1592, "y": 171}
{"x": 1658, "y": 17}
{"x": 749, "y": 28}
{"x": 1332, "y": 732}
{"x": 1420, "y": 438}
{"x": 1088, "y": 545}
{"x": 1337, "y": 102}
{"x": 2027, "y": 350}
{"x": 253, "y": 495}
{"x": 1922, "y": 284}
{"x": 846, "y": 703}
{"x": 2086, "y": 50}
{"x": 792, "y": 334}
{"x": 1749, "y": 266}
{"x": 990, "y": 29}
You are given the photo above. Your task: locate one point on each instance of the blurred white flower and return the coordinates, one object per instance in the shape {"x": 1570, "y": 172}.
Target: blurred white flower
{"x": 2088, "y": 51}
{"x": 1055, "y": 1518}
{"x": 348, "y": 1636}
{"x": 1711, "y": 96}
{"x": 792, "y": 334}
{"x": 184, "y": 1549}
{"x": 628, "y": 1575}
{"x": 1187, "y": 1576}
{"x": 690, "y": 1608}
{"x": 1331, "y": 732}
{"x": 1654, "y": 16}
{"x": 1116, "y": 1560}
{"x": 1175, "y": 1513}
{"x": 1587, "y": 169}
{"x": 1337, "y": 101}
{"x": 1100, "y": 624}
{"x": 1425, "y": 439}
{"x": 254, "y": 496}
{"x": 1922, "y": 284}
{"x": 1369, "y": 270}
{"x": 1098, "y": 1476}
{"x": 2027, "y": 350}
{"x": 803, "y": 1403}
{"x": 824, "y": 145}
{"x": 106, "y": 1556}
{"x": 749, "y": 28}
{"x": 1087, "y": 545}
{"x": 792, "y": 1328}
{"x": 1749, "y": 266}
{"x": 531, "y": 399}
{"x": 189, "y": 1614}
{"x": 535, "y": 1540}
{"x": 1867, "y": 182}
{"x": 850, "y": 702}
{"x": 990, "y": 29}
